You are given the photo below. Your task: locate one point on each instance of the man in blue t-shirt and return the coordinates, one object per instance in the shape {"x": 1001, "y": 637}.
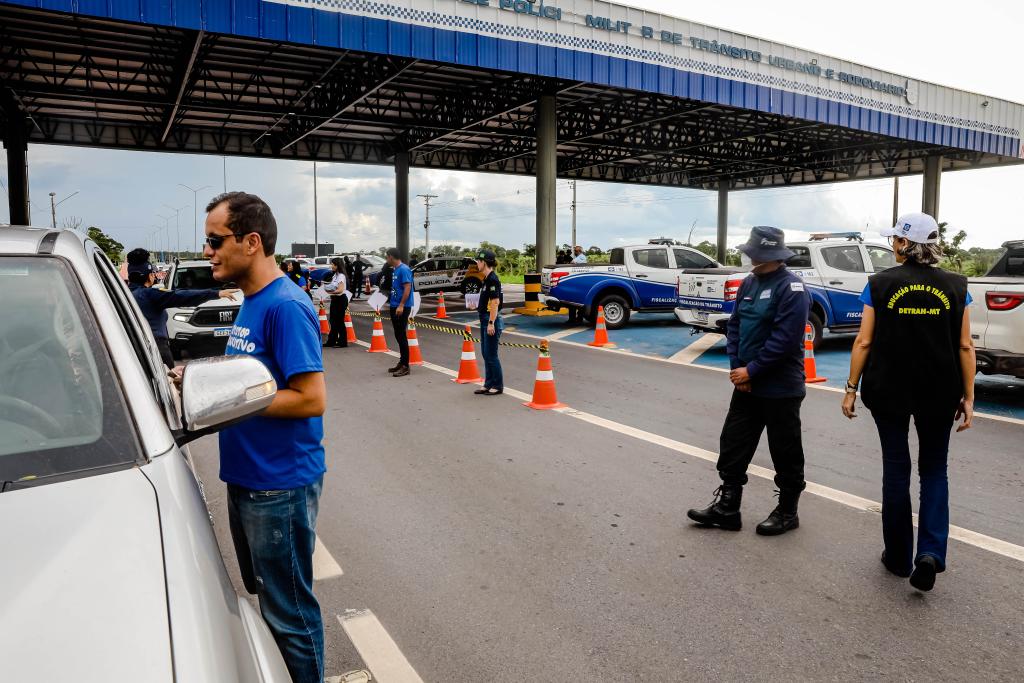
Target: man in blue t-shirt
{"x": 273, "y": 463}
{"x": 400, "y": 301}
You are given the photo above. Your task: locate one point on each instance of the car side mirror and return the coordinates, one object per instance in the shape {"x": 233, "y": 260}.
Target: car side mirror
{"x": 218, "y": 392}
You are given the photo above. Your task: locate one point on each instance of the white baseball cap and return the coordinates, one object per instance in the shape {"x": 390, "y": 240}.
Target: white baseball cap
{"x": 916, "y": 227}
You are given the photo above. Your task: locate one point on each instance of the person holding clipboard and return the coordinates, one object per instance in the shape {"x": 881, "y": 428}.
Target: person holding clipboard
{"x": 338, "y": 291}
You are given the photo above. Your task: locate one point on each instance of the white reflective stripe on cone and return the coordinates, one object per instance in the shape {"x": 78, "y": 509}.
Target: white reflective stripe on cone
{"x": 545, "y": 376}
{"x": 468, "y": 355}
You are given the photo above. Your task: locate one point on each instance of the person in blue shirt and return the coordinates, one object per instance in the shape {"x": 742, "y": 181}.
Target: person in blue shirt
{"x": 273, "y": 464}
{"x": 400, "y": 301}
{"x": 154, "y": 302}
{"x": 764, "y": 340}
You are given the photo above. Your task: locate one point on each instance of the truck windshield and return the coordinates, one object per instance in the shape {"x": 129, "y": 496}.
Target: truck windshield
{"x": 195, "y": 277}
{"x": 61, "y": 410}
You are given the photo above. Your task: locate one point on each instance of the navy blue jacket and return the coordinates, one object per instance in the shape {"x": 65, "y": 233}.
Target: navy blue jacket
{"x": 155, "y": 302}
{"x": 766, "y": 333}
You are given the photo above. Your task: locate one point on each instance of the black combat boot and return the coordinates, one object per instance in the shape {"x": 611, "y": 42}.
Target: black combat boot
{"x": 783, "y": 518}
{"x": 724, "y": 511}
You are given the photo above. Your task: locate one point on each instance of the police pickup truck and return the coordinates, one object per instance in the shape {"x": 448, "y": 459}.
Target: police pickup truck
{"x": 639, "y": 278}
{"x": 835, "y": 267}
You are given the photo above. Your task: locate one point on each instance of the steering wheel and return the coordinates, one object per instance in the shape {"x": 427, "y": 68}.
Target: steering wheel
{"x": 40, "y": 420}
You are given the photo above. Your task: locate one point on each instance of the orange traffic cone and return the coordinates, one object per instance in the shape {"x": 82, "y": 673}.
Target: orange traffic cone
{"x": 810, "y": 366}
{"x": 442, "y": 313}
{"x": 415, "y": 357}
{"x": 377, "y": 342}
{"x": 600, "y": 330}
{"x": 366, "y": 288}
{"x": 350, "y": 330}
{"x": 469, "y": 373}
{"x": 325, "y": 327}
{"x": 544, "y": 395}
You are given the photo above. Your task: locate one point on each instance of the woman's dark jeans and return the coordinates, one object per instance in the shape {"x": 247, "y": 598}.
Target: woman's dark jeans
{"x": 493, "y": 378}
{"x": 933, "y": 433}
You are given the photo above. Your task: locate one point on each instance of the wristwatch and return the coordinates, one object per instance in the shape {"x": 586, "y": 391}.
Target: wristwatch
{"x": 850, "y": 388}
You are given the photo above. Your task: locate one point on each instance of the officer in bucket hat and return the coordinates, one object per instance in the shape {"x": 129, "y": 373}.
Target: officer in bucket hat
{"x": 766, "y": 353}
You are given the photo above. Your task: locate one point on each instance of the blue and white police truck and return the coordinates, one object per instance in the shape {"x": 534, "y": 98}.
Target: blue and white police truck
{"x": 640, "y": 278}
{"x": 835, "y": 267}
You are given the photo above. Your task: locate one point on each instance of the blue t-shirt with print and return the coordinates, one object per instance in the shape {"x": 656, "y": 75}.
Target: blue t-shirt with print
{"x": 402, "y": 275}
{"x": 865, "y": 297}
{"x": 278, "y": 326}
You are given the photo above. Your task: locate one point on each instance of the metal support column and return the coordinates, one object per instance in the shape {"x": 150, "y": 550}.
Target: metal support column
{"x": 402, "y": 204}
{"x": 547, "y": 170}
{"x": 723, "y": 219}
{"x": 930, "y": 191}
{"x": 17, "y": 173}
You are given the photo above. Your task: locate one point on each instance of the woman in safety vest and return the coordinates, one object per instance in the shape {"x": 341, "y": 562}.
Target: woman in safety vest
{"x": 916, "y": 356}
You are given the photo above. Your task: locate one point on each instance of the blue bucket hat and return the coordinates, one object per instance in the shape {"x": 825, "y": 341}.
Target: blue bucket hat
{"x": 766, "y": 244}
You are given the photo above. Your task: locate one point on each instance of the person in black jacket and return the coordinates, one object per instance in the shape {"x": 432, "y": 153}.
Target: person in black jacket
{"x": 154, "y": 302}
{"x": 357, "y": 276}
{"x": 917, "y": 359}
{"x": 765, "y": 344}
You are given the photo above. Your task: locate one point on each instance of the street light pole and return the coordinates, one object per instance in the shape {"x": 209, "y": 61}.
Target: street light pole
{"x": 177, "y": 227}
{"x": 167, "y": 234}
{"x": 572, "y": 183}
{"x": 316, "y": 219}
{"x": 53, "y": 206}
{"x": 195, "y": 214}
{"x": 426, "y": 222}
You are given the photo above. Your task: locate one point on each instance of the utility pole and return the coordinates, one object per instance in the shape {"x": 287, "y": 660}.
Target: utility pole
{"x": 53, "y": 206}
{"x": 195, "y": 215}
{"x": 426, "y": 223}
{"x": 896, "y": 200}
{"x": 572, "y": 184}
{"x": 316, "y": 219}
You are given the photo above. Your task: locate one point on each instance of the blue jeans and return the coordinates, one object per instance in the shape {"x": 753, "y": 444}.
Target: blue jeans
{"x": 274, "y": 534}
{"x": 493, "y": 379}
{"x": 933, "y": 433}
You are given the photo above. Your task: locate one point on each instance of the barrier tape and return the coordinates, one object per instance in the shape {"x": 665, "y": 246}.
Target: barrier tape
{"x": 458, "y": 332}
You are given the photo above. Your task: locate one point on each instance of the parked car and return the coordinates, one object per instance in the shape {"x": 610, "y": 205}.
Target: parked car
{"x": 202, "y": 330}
{"x": 640, "y": 278}
{"x": 997, "y": 314}
{"x": 111, "y": 571}
{"x": 835, "y": 268}
{"x": 447, "y": 274}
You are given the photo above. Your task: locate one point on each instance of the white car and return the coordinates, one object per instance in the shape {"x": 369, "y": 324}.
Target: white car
{"x": 110, "y": 569}
{"x": 204, "y": 329}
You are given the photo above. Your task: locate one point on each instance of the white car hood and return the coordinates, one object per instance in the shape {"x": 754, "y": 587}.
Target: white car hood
{"x": 82, "y": 591}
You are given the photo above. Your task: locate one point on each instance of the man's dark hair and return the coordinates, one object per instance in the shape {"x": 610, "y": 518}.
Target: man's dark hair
{"x": 248, "y": 213}
{"x": 136, "y": 257}
{"x": 394, "y": 253}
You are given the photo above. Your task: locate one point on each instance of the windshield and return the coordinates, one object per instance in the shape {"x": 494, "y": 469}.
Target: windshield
{"x": 195, "y": 277}
{"x": 60, "y": 408}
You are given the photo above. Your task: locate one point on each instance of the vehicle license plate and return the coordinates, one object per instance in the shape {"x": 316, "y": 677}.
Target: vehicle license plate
{"x": 701, "y": 316}
{"x": 226, "y": 331}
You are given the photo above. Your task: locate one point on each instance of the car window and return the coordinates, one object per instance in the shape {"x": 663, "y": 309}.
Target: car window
{"x": 801, "y": 258}
{"x": 688, "y": 259}
{"x": 61, "y": 408}
{"x": 195, "y": 277}
{"x": 881, "y": 258}
{"x": 652, "y": 258}
{"x": 846, "y": 258}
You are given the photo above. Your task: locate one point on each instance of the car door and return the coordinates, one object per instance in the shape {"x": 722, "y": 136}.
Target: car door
{"x": 653, "y": 276}
{"x": 844, "y": 275}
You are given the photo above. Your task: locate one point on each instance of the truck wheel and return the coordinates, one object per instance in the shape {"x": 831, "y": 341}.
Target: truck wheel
{"x": 817, "y": 329}
{"x": 616, "y": 311}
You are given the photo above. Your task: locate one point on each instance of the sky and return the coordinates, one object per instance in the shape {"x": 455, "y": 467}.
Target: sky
{"x": 940, "y": 41}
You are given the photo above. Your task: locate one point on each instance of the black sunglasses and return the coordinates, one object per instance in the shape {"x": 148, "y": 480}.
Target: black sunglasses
{"x": 217, "y": 241}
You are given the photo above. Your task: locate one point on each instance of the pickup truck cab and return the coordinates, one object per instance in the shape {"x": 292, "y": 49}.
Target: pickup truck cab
{"x": 640, "y": 278}
{"x": 835, "y": 268}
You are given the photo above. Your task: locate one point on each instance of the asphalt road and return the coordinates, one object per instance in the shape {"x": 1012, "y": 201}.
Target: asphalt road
{"x": 495, "y": 543}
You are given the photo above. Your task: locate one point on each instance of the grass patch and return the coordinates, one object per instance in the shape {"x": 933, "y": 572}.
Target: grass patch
{"x": 513, "y": 279}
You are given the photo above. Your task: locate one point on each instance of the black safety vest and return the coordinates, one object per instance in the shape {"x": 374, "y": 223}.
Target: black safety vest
{"x": 914, "y": 364}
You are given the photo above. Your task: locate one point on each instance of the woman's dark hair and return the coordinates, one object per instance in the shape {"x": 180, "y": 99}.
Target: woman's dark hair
{"x": 248, "y": 213}
{"x": 339, "y": 263}
{"x": 284, "y": 267}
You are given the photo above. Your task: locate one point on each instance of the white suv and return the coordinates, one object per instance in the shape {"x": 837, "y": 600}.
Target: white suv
{"x": 204, "y": 329}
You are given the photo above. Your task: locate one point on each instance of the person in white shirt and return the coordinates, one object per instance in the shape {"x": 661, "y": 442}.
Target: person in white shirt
{"x": 338, "y": 290}
{"x": 578, "y": 255}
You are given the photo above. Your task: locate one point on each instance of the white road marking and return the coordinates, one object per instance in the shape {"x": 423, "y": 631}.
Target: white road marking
{"x": 378, "y": 650}
{"x": 324, "y": 564}
{"x": 564, "y": 333}
{"x": 692, "y": 352}
{"x": 989, "y": 543}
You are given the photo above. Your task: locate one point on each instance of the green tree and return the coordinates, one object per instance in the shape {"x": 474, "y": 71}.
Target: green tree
{"x": 952, "y": 254}
{"x": 708, "y": 248}
{"x": 111, "y": 247}
{"x": 530, "y": 250}
{"x": 595, "y": 251}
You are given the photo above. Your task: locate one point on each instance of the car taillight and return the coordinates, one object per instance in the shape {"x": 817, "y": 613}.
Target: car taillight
{"x": 732, "y": 289}
{"x": 1003, "y": 301}
{"x": 558, "y": 275}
